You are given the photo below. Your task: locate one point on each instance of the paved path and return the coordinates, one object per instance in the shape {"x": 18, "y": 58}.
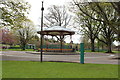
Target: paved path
{"x": 99, "y": 58}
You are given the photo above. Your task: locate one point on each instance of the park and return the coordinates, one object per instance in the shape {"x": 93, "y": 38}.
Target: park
{"x": 61, "y": 40}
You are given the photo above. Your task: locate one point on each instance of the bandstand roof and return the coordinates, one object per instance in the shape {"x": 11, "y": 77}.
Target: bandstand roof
{"x": 56, "y": 30}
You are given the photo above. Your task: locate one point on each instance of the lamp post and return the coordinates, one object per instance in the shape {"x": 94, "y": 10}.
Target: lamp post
{"x": 82, "y": 51}
{"x": 42, "y": 9}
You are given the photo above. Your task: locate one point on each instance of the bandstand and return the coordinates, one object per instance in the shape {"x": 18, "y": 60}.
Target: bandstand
{"x": 59, "y": 32}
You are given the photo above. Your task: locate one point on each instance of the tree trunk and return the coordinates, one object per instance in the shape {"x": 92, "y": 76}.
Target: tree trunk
{"x": 109, "y": 48}
{"x": 102, "y": 47}
{"x": 98, "y": 46}
{"x": 109, "y": 45}
{"x": 23, "y": 47}
{"x": 92, "y": 45}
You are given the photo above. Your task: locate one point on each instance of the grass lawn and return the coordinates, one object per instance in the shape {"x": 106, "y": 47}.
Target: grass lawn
{"x": 17, "y": 50}
{"x": 95, "y": 51}
{"x": 101, "y": 51}
{"x": 29, "y": 69}
{"x": 116, "y": 51}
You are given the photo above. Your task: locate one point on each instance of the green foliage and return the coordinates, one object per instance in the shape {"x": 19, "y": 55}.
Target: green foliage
{"x": 25, "y": 34}
{"x": 13, "y": 13}
{"x": 98, "y": 18}
{"x": 108, "y": 15}
{"x": 89, "y": 27}
{"x": 17, "y": 50}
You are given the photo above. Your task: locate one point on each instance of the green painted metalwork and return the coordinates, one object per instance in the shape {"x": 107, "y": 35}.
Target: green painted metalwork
{"x": 53, "y": 46}
{"x": 82, "y": 53}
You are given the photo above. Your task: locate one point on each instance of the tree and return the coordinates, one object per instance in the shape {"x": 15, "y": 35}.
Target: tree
{"x": 116, "y": 6}
{"x": 13, "y": 13}
{"x": 57, "y": 16}
{"x": 109, "y": 15}
{"x": 87, "y": 44}
{"x": 35, "y": 40}
{"x": 105, "y": 14}
{"x": 103, "y": 9}
{"x": 107, "y": 35}
{"x": 7, "y": 37}
{"x": 89, "y": 27}
{"x": 26, "y": 33}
